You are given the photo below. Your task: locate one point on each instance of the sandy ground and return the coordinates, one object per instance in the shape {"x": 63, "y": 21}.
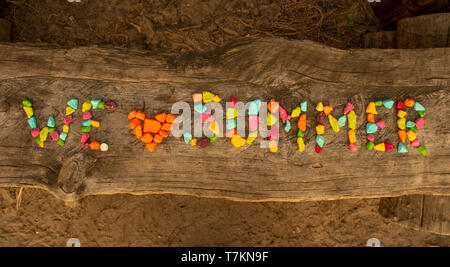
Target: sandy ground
{"x": 169, "y": 220}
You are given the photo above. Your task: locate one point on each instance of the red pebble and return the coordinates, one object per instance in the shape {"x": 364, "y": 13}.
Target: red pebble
{"x": 318, "y": 149}
{"x": 400, "y": 105}
{"x": 233, "y": 102}
{"x": 203, "y": 142}
{"x": 388, "y": 146}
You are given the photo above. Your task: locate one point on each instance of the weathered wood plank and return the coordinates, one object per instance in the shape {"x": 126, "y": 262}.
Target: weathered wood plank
{"x": 426, "y": 31}
{"x": 290, "y": 71}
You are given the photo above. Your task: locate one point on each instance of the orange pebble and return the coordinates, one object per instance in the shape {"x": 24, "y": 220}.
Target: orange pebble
{"x": 151, "y": 146}
{"x": 138, "y": 131}
{"x": 158, "y": 138}
{"x": 197, "y": 97}
{"x": 301, "y": 124}
{"x": 147, "y": 138}
{"x": 275, "y": 106}
{"x": 327, "y": 110}
{"x": 170, "y": 118}
{"x": 140, "y": 115}
{"x": 163, "y": 133}
{"x": 402, "y": 135}
{"x": 231, "y": 133}
{"x": 166, "y": 126}
{"x": 161, "y": 117}
{"x": 409, "y": 102}
{"x": 94, "y": 145}
{"x": 371, "y": 117}
{"x": 151, "y": 126}
{"x": 132, "y": 114}
{"x": 134, "y": 122}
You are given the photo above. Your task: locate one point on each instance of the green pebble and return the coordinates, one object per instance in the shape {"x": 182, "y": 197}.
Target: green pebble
{"x": 421, "y": 114}
{"x": 101, "y": 105}
{"x": 51, "y": 129}
{"x": 38, "y": 140}
{"x": 61, "y": 142}
{"x": 26, "y": 103}
{"x": 300, "y": 133}
{"x": 422, "y": 150}
{"x": 414, "y": 129}
{"x": 86, "y": 129}
{"x": 213, "y": 138}
{"x": 369, "y": 145}
{"x": 379, "y": 103}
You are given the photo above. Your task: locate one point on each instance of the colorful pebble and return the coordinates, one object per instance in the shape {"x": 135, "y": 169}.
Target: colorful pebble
{"x": 418, "y": 107}
{"x": 304, "y": 106}
{"x": 32, "y": 122}
{"x": 95, "y": 103}
{"x": 401, "y": 123}
{"x": 348, "y": 107}
{"x": 35, "y": 132}
{"x": 334, "y": 123}
{"x": 381, "y": 124}
{"x": 51, "y": 122}
{"x": 401, "y": 148}
{"x": 388, "y": 103}
{"x": 342, "y": 121}
{"x": 351, "y": 118}
{"x": 371, "y": 108}
{"x": 371, "y": 128}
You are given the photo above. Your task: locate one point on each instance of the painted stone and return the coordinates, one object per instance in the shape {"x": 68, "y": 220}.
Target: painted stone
{"x": 371, "y": 128}
{"x": 238, "y": 141}
{"x": 95, "y": 124}
{"x": 409, "y": 102}
{"x": 207, "y": 96}
{"x": 85, "y": 137}
{"x": 380, "y": 147}
{"x": 320, "y": 129}
{"x": 401, "y": 123}
{"x": 231, "y": 113}
{"x": 400, "y": 105}
{"x": 388, "y": 103}
{"x": 287, "y": 127}
{"x": 351, "y": 136}
{"x": 231, "y": 124}
{"x": 327, "y": 110}
{"x": 318, "y": 149}
{"x": 371, "y": 108}
{"x": 87, "y": 129}
{"x": 203, "y": 142}
{"x": 200, "y": 108}
{"x": 187, "y": 137}
{"x": 95, "y": 103}
{"x": 415, "y": 143}
{"x": 271, "y": 119}
{"x": 410, "y": 124}
{"x": 421, "y": 114}
{"x": 401, "y": 113}
{"x": 320, "y": 140}
{"x": 73, "y": 103}
{"x": 369, "y": 145}
{"x": 301, "y": 144}
{"x": 29, "y": 111}
{"x": 388, "y": 146}
{"x": 198, "y": 97}
{"x": 213, "y": 138}
{"x": 69, "y": 111}
{"x": 274, "y": 133}
{"x": 401, "y": 148}
{"x": 51, "y": 122}
{"x": 420, "y": 122}
{"x": 422, "y": 150}
{"x": 378, "y": 103}
{"x": 418, "y": 107}
{"x": 32, "y": 122}
{"x": 63, "y": 136}
{"x": 54, "y": 135}
{"x": 86, "y": 106}
{"x": 301, "y": 124}
{"x": 370, "y": 137}
{"x": 110, "y": 104}
{"x": 304, "y": 106}
{"x": 320, "y": 118}
{"x": 296, "y": 112}
{"x": 273, "y": 146}
{"x": 402, "y": 135}
{"x": 43, "y": 134}
{"x": 35, "y": 132}
{"x": 300, "y": 133}
{"x": 283, "y": 114}
{"x": 319, "y": 106}
{"x": 348, "y": 107}
{"x": 352, "y": 147}
{"x": 214, "y": 127}
{"x": 104, "y": 147}
{"x": 334, "y": 123}
{"x": 351, "y": 118}
{"x": 381, "y": 124}
{"x": 26, "y": 103}
{"x": 411, "y": 135}
{"x": 254, "y": 107}
{"x": 253, "y": 122}
{"x": 273, "y": 106}
{"x": 216, "y": 99}
{"x": 342, "y": 121}
{"x": 371, "y": 117}
{"x": 67, "y": 120}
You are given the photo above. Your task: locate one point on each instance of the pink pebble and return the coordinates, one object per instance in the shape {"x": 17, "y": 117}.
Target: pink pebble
{"x": 85, "y": 137}
{"x": 289, "y": 117}
{"x": 283, "y": 114}
{"x": 415, "y": 143}
{"x": 35, "y": 132}
{"x": 67, "y": 120}
{"x": 205, "y": 116}
{"x": 85, "y": 145}
{"x": 381, "y": 124}
{"x": 370, "y": 137}
{"x": 274, "y": 133}
{"x": 233, "y": 102}
{"x": 54, "y": 135}
{"x": 420, "y": 122}
{"x": 87, "y": 115}
{"x": 353, "y": 147}
{"x": 210, "y": 119}
{"x": 253, "y": 121}
{"x": 349, "y": 107}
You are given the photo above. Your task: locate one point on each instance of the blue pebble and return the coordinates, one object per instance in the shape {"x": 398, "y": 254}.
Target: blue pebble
{"x": 418, "y": 107}
{"x": 254, "y": 107}
{"x": 32, "y": 122}
{"x": 73, "y": 103}
{"x": 342, "y": 121}
{"x": 86, "y": 123}
{"x": 401, "y": 148}
{"x": 63, "y": 136}
{"x": 320, "y": 140}
{"x": 200, "y": 108}
{"x": 287, "y": 127}
{"x": 388, "y": 103}
{"x": 410, "y": 124}
{"x": 231, "y": 124}
{"x": 51, "y": 122}
{"x": 187, "y": 137}
{"x": 304, "y": 106}
{"x": 95, "y": 103}
{"x": 371, "y": 128}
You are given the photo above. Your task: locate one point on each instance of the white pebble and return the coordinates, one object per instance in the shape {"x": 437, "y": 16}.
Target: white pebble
{"x": 104, "y": 147}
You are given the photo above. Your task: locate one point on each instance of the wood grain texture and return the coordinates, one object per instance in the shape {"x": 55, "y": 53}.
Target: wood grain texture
{"x": 290, "y": 71}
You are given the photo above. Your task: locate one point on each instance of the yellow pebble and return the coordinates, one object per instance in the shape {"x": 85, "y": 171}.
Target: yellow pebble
{"x": 207, "y": 96}
{"x": 95, "y": 123}
{"x": 301, "y": 144}
{"x": 193, "y": 142}
{"x": 320, "y": 129}
{"x": 351, "y": 136}
{"x": 250, "y": 139}
{"x": 43, "y": 134}
{"x": 296, "y": 112}
{"x": 401, "y": 113}
{"x": 411, "y": 135}
{"x": 273, "y": 146}
{"x": 65, "y": 128}
{"x": 271, "y": 120}
{"x": 216, "y": 98}
{"x": 69, "y": 110}
{"x": 238, "y": 141}
{"x": 231, "y": 113}
{"x": 334, "y": 123}
{"x": 41, "y": 144}
{"x": 380, "y": 147}
{"x": 351, "y": 118}
{"x": 29, "y": 111}
{"x": 214, "y": 127}
{"x": 371, "y": 108}
{"x": 319, "y": 106}
{"x": 86, "y": 106}
{"x": 401, "y": 123}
